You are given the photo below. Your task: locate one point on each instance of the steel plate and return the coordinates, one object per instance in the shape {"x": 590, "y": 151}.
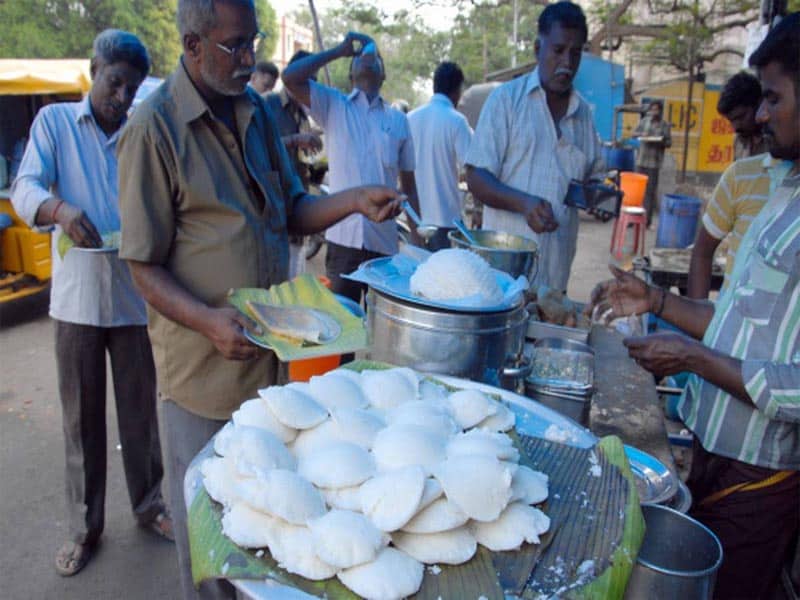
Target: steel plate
{"x": 655, "y": 482}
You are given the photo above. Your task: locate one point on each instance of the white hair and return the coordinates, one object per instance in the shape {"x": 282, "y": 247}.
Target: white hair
{"x": 195, "y": 16}
{"x": 198, "y": 16}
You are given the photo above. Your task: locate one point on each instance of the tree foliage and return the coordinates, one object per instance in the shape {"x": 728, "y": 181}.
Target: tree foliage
{"x": 482, "y": 40}
{"x": 67, "y": 28}
{"x": 410, "y": 49}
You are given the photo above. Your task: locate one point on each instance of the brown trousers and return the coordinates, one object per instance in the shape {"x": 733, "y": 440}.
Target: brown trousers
{"x": 757, "y": 529}
{"x": 81, "y": 363}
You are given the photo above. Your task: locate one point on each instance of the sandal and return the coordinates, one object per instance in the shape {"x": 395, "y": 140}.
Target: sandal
{"x": 72, "y": 557}
{"x": 161, "y": 525}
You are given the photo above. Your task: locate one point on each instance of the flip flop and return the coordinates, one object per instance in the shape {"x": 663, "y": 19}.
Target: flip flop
{"x": 161, "y": 525}
{"x": 71, "y": 558}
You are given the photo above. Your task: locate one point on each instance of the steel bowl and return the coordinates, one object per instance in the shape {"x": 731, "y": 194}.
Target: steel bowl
{"x": 513, "y": 254}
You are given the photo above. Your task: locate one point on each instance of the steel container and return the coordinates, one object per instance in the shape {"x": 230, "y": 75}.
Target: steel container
{"x": 481, "y": 346}
{"x": 679, "y": 557}
{"x": 512, "y": 254}
{"x": 570, "y": 397}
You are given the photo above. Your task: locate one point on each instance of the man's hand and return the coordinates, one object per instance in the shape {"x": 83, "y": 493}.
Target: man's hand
{"x": 310, "y": 142}
{"x": 353, "y": 43}
{"x": 378, "y": 203}
{"x": 622, "y": 296}
{"x": 225, "y": 328}
{"x": 662, "y": 353}
{"x": 539, "y": 216}
{"x": 77, "y": 225}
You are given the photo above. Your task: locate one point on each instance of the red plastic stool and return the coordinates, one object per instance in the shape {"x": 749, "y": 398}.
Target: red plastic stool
{"x": 629, "y": 215}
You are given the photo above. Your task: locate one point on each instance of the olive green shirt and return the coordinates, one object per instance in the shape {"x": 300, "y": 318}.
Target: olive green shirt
{"x": 212, "y": 210}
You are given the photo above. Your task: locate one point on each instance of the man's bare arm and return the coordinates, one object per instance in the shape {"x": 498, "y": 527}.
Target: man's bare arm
{"x": 700, "y": 267}
{"x": 491, "y": 191}
{"x": 223, "y": 326}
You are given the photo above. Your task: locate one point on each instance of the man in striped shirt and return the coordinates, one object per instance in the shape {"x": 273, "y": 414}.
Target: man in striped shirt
{"x": 743, "y": 400}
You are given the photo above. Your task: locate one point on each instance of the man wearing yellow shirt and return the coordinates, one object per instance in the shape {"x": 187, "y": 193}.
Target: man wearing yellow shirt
{"x": 737, "y": 199}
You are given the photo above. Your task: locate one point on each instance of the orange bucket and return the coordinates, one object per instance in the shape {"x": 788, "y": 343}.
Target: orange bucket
{"x": 303, "y": 370}
{"x": 633, "y": 187}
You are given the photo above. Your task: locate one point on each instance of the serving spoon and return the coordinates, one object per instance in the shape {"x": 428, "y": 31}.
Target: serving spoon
{"x": 424, "y": 230}
{"x": 462, "y": 228}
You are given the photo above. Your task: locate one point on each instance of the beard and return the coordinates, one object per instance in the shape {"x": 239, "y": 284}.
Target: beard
{"x": 233, "y": 86}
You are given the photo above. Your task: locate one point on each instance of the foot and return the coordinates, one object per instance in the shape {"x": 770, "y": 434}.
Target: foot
{"x": 161, "y": 525}
{"x": 72, "y": 557}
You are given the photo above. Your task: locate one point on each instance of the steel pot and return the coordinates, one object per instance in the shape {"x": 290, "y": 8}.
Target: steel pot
{"x": 481, "y": 346}
{"x": 512, "y": 254}
{"x": 679, "y": 557}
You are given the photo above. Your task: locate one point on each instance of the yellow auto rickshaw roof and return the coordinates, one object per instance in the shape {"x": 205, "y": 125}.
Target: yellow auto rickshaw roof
{"x": 44, "y": 76}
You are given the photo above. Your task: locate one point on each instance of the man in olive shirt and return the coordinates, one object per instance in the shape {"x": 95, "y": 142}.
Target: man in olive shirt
{"x": 207, "y": 199}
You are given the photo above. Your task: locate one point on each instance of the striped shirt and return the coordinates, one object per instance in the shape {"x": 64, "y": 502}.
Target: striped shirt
{"x": 741, "y": 192}
{"x": 517, "y": 141}
{"x": 757, "y": 320}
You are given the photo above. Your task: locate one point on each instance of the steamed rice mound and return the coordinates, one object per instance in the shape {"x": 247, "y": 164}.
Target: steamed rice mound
{"x": 455, "y": 274}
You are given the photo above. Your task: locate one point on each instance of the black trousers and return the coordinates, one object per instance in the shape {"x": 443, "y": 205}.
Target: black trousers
{"x": 81, "y": 363}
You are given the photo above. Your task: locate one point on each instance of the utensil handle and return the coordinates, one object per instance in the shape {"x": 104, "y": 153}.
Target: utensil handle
{"x": 411, "y": 212}
{"x": 462, "y": 228}
{"x": 519, "y": 371}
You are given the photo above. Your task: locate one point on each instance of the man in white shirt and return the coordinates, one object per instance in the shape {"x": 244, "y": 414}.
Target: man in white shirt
{"x": 441, "y": 137}
{"x": 534, "y": 135}
{"x": 67, "y": 182}
{"x": 367, "y": 142}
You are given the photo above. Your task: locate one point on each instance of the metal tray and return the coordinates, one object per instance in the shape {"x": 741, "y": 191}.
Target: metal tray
{"x": 570, "y": 353}
{"x": 391, "y": 275}
{"x": 539, "y": 329}
{"x": 532, "y": 418}
{"x": 655, "y": 482}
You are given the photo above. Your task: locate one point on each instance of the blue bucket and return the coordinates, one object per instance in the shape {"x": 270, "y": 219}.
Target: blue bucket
{"x": 677, "y": 221}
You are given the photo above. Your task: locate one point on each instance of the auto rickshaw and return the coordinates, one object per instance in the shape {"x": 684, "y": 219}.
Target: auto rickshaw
{"x": 26, "y": 85}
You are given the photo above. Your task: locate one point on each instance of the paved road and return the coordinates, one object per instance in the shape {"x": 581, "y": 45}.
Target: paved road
{"x": 130, "y": 563}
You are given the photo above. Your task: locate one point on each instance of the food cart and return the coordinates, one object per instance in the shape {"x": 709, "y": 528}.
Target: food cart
{"x": 624, "y": 404}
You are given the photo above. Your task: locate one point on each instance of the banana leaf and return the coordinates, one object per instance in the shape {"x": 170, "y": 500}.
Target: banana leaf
{"x": 110, "y": 241}
{"x": 305, "y": 290}
{"x": 491, "y": 575}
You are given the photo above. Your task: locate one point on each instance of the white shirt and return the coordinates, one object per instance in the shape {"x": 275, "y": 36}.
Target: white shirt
{"x": 69, "y": 156}
{"x": 367, "y": 143}
{"x": 516, "y": 141}
{"x": 441, "y": 137}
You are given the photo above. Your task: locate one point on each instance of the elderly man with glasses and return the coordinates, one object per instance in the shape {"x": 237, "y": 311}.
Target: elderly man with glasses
{"x": 208, "y": 198}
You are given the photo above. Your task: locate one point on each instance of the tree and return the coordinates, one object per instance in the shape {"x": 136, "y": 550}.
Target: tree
{"x": 67, "y": 28}
{"x": 482, "y": 39}
{"x": 410, "y": 50}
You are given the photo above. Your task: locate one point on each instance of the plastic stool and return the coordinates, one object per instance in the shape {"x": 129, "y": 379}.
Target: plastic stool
{"x": 629, "y": 215}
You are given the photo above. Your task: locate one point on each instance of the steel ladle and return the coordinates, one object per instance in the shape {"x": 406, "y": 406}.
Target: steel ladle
{"x": 424, "y": 230}
{"x": 462, "y": 228}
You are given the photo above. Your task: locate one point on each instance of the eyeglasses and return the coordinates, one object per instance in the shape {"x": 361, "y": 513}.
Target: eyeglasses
{"x": 249, "y": 46}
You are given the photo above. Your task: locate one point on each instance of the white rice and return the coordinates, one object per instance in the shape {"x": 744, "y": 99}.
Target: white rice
{"x": 454, "y": 274}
